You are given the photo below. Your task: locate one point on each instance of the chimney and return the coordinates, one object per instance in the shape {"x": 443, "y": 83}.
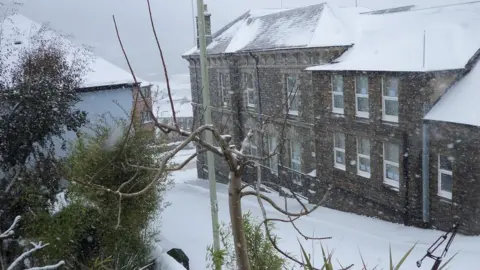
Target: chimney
{"x": 208, "y": 26}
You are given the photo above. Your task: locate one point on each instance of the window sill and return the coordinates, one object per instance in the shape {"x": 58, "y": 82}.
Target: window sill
{"x": 445, "y": 196}
{"x": 364, "y": 174}
{"x": 391, "y": 184}
{"x": 390, "y": 119}
{"x": 337, "y": 111}
{"x": 340, "y": 167}
{"x": 362, "y": 115}
{"x": 293, "y": 113}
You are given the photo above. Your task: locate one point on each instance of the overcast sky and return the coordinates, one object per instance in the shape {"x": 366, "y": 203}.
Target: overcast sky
{"x": 90, "y": 22}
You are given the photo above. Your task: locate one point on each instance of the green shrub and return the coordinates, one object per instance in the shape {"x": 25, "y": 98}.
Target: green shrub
{"x": 90, "y": 220}
{"x": 261, "y": 253}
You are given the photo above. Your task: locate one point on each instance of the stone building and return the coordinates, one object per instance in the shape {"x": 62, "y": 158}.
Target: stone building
{"x": 344, "y": 93}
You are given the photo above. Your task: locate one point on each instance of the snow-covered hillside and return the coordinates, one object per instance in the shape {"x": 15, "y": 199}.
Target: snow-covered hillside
{"x": 187, "y": 223}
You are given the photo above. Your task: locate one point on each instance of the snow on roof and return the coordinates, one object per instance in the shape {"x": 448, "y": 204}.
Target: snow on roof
{"x": 460, "y": 103}
{"x": 395, "y": 41}
{"x": 19, "y": 33}
{"x": 181, "y": 96}
{"x": 312, "y": 26}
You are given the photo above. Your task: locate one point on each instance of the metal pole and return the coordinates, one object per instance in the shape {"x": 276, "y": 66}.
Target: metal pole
{"x": 208, "y": 121}
{"x": 193, "y": 24}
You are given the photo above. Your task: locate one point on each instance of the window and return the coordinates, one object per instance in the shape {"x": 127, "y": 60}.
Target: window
{"x": 363, "y": 157}
{"x": 295, "y": 153}
{"x": 337, "y": 94}
{"x": 146, "y": 117}
{"x": 251, "y": 97}
{"x": 292, "y": 94}
{"x": 445, "y": 180}
{"x": 146, "y": 91}
{"x": 339, "y": 150}
{"x": 390, "y": 99}
{"x": 361, "y": 96}
{"x": 391, "y": 164}
{"x": 222, "y": 82}
{"x": 273, "y": 160}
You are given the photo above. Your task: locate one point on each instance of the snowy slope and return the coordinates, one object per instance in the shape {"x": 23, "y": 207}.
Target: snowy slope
{"x": 187, "y": 222}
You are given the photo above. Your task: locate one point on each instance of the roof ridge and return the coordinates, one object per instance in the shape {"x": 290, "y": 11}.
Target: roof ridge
{"x": 446, "y": 5}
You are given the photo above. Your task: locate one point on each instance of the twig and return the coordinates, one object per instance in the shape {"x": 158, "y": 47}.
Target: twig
{"x": 164, "y": 66}
{"x": 278, "y": 208}
{"x": 9, "y": 232}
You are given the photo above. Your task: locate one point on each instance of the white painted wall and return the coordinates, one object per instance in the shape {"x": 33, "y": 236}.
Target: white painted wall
{"x": 101, "y": 102}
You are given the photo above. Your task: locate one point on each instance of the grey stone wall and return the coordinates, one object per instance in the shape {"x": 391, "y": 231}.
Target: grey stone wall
{"x": 388, "y": 203}
{"x": 314, "y": 128}
{"x": 463, "y": 144}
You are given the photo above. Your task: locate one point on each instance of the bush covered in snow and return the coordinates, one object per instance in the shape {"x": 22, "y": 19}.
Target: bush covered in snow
{"x": 99, "y": 226}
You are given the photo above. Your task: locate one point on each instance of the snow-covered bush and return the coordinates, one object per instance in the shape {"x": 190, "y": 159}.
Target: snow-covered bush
{"x": 97, "y": 226}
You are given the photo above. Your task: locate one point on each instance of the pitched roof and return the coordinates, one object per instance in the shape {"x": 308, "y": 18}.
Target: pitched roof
{"x": 19, "y": 32}
{"x": 444, "y": 37}
{"x": 460, "y": 103}
{"x": 319, "y": 25}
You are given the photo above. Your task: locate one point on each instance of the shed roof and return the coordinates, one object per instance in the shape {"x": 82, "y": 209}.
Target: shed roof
{"x": 19, "y": 33}
{"x": 419, "y": 39}
{"x": 319, "y": 25}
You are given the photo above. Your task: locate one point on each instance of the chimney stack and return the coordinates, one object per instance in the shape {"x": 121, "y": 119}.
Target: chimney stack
{"x": 208, "y": 27}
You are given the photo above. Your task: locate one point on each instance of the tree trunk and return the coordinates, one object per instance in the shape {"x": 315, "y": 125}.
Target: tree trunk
{"x": 236, "y": 218}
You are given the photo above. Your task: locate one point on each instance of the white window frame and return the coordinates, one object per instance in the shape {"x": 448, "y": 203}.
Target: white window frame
{"x": 360, "y": 155}
{"x": 250, "y": 90}
{"x": 389, "y": 118}
{"x": 146, "y": 117}
{"x": 386, "y": 162}
{"x": 273, "y": 160}
{"x": 290, "y": 97}
{"x": 441, "y": 192}
{"x": 293, "y": 161}
{"x": 335, "y": 149}
{"x": 336, "y": 93}
{"x": 357, "y": 95}
{"x": 223, "y": 88}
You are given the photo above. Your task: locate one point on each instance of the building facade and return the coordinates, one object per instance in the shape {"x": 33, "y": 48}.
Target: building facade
{"x": 346, "y": 114}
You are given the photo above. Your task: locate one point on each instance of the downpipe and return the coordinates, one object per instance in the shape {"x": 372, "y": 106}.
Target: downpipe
{"x": 425, "y": 172}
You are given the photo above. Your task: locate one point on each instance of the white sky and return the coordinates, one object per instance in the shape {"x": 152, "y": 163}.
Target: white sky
{"x": 90, "y": 22}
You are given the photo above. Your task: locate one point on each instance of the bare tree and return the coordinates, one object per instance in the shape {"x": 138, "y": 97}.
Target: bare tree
{"x": 23, "y": 260}
{"x": 236, "y": 157}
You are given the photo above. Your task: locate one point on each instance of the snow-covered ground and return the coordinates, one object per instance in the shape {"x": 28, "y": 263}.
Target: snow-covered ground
{"x": 187, "y": 223}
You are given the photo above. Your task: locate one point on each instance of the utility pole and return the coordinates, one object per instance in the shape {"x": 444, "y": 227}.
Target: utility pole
{"x": 193, "y": 23}
{"x": 208, "y": 121}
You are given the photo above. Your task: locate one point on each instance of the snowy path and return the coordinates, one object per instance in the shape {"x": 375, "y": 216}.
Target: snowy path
{"x": 187, "y": 223}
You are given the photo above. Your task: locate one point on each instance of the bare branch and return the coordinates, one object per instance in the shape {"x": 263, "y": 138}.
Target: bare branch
{"x": 164, "y": 66}
{"x": 278, "y": 208}
{"x": 27, "y": 253}
{"x": 9, "y": 232}
{"x": 127, "y": 182}
{"x": 48, "y": 267}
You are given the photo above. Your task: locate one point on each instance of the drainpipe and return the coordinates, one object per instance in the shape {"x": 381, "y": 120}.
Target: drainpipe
{"x": 425, "y": 170}
{"x": 406, "y": 178}
{"x": 259, "y": 102}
